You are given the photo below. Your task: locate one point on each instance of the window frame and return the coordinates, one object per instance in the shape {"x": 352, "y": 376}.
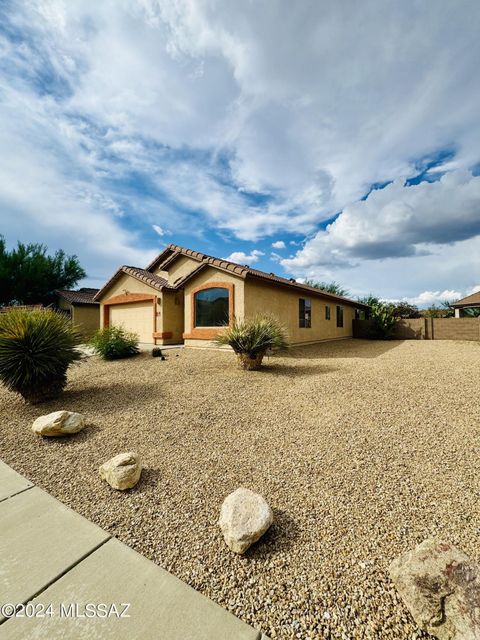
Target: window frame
{"x": 328, "y": 312}
{"x": 305, "y": 314}
{"x": 339, "y": 316}
{"x": 195, "y": 298}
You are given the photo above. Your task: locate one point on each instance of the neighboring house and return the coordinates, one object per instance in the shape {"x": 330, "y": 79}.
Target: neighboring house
{"x": 187, "y": 296}
{"x": 470, "y": 302}
{"x": 83, "y": 310}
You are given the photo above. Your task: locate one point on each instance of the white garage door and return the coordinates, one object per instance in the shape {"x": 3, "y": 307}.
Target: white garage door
{"x": 134, "y": 316}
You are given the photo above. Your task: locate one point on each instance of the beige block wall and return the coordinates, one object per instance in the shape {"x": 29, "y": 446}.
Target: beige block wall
{"x": 87, "y": 318}
{"x": 213, "y": 276}
{"x": 283, "y": 303}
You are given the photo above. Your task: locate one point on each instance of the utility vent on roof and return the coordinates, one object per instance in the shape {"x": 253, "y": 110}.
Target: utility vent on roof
{"x": 292, "y": 279}
{"x": 271, "y": 273}
{"x": 247, "y": 266}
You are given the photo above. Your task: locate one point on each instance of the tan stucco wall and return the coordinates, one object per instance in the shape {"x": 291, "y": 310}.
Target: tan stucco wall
{"x": 127, "y": 284}
{"x": 179, "y": 268}
{"x": 130, "y": 285}
{"x": 87, "y": 318}
{"x": 172, "y": 317}
{"x": 283, "y": 303}
{"x": 211, "y": 275}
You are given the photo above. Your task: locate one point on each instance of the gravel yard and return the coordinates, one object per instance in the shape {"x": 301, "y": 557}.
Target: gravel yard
{"x": 363, "y": 449}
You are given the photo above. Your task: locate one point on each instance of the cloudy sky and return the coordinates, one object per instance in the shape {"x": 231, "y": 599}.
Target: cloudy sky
{"x": 329, "y": 140}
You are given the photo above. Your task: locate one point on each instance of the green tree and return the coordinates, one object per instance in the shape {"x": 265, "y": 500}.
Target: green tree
{"x": 28, "y": 275}
{"x": 328, "y": 287}
{"x": 405, "y": 310}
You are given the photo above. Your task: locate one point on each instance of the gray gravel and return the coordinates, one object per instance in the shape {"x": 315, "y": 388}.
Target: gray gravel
{"x": 363, "y": 449}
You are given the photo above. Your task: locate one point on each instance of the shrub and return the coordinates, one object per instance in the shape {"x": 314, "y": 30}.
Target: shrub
{"x": 252, "y": 338}
{"x": 112, "y": 343}
{"x": 36, "y": 349}
{"x": 383, "y": 321}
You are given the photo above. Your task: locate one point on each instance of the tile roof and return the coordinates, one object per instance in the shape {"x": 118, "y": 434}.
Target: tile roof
{"x": 472, "y": 300}
{"x": 85, "y": 295}
{"x": 136, "y": 272}
{"x": 245, "y": 271}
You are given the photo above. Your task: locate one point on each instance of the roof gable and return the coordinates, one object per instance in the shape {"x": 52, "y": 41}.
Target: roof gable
{"x": 471, "y": 300}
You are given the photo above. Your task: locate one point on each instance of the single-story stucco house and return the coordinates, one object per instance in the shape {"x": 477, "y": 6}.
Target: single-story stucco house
{"x": 83, "y": 310}
{"x": 470, "y": 302}
{"x": 185, "y": 296}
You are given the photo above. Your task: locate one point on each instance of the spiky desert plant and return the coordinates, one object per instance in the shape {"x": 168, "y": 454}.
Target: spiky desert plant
{"x": 36, "y": 349}
{"x": 112, "y": 343}
{"x": 251, "y": 338}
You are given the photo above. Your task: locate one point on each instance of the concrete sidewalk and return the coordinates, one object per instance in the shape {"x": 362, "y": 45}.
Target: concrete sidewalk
{"x": 73, "y": 581}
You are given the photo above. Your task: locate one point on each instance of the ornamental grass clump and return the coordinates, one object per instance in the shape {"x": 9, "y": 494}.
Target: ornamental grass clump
{"x": 36, "y": 349}
{"x": 252, "y": 338}
{"x": 112, "y": 343}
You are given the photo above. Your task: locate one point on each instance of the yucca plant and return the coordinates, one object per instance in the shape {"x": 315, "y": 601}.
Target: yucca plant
{"x": 252, "y": 338}
{"x": 36, "y": 349}
{"x": 112, "y": 343}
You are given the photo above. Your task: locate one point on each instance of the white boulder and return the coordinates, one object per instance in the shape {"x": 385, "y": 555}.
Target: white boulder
{"x": 244, "y": 518}
{"x": 123, "y": 471}
{"x": 440, "y": 586}
{"x": 59, "y": 423}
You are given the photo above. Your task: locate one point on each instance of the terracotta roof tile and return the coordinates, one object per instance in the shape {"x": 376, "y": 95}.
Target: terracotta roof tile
{"x": 244, "y": 270}
{"x": 85, "y": 295}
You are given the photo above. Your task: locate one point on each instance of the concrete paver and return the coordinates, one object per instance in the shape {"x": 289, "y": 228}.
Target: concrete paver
{"x": 11, "y": 482}
{"x": 73, "y": 581}
{"x": 160, "y": 605}
{"x": 40, "y": 538}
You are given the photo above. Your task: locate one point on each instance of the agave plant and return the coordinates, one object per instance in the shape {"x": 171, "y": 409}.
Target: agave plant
{"x": 36, "y": 349}
{"x": 252, "y": 338}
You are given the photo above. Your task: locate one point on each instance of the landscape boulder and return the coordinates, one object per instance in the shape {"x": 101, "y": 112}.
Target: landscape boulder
{"x": 59, "y": 423}
{"x": 244, "y": 518}
{"x": 440, "y": 586}
{"x": 123, "y": 471}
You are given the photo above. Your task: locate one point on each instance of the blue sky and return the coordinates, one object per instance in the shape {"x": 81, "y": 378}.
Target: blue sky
{"x": 320, "y": 140}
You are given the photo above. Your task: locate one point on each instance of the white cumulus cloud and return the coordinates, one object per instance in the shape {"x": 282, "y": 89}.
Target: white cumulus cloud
{"x": 278, "y": 244}
{"x": 245, "y": 258}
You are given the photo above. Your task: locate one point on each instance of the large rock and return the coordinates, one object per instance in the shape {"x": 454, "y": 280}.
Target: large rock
{"x": 244, "y": 518}
{"x": 441, "y": 587}
{"x": 59, "y": 423}
{"x": 123, "y": 471}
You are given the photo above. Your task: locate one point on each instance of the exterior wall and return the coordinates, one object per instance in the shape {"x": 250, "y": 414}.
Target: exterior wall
{"x": 179, "y": 268}
{"x": 456, "y": 329}
{"x": 281, "y": 302}
{"x": 125, "y": 284}
{"x": 172, "y": 317}
{"x": 87, "y": 318}
{"x": 65, "y": 306}
{"x": 427, "y": 329}
{"x": 214, "y": 277}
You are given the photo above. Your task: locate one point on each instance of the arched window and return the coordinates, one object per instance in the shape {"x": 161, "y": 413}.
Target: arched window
{"x": 212, "y": 307}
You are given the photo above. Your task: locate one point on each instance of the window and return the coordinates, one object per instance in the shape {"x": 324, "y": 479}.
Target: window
{"x": 304, "y": 313}
{"x": 327, "y": 312}
{"x": 339, "y": 316}
{"x": 211, "y": 307}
